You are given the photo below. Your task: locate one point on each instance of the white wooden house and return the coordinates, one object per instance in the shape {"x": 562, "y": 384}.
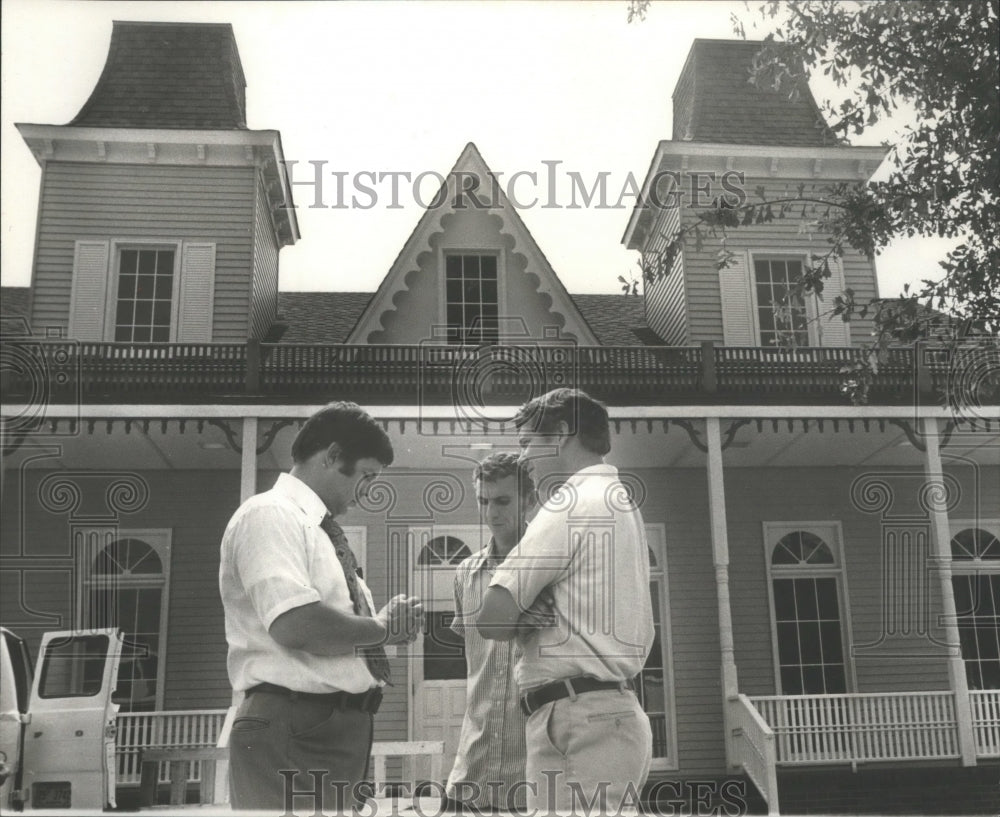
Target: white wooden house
{"x": 825, "y": 576}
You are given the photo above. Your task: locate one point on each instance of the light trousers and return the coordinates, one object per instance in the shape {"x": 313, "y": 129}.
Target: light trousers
{"x": 590, "y": 755}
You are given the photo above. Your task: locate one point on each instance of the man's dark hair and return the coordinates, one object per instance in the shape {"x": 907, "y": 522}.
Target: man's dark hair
{"x": 350, "y": 427}
{"x": 584, "y": 416}
{"x": 504, "y": 464}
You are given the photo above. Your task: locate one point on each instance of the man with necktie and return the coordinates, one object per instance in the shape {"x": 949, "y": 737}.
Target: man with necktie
{"x": 305, "y": 643}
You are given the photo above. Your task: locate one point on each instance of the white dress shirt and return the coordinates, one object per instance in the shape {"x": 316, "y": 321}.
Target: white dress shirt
{"x": 275, "y": 557}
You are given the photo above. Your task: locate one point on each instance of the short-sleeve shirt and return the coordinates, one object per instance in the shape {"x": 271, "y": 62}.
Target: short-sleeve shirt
{"x": 587, "y": 544}
{"x": 275, "y": 557}
{"x": 491, "y": 748}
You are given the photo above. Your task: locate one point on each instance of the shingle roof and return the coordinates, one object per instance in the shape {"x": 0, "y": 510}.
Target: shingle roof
{"x": 14, "y": 301}
{"x": 714, "y": 101}
{"x": 320, "y": 317}
{"x": 615, "y": 319}
{"x": 328, "y": 317}
{"x": 169, "y": 75}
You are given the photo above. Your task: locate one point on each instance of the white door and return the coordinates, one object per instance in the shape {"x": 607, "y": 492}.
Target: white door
{"x": 69, "y": 745}
{"x": 439, "y": 685}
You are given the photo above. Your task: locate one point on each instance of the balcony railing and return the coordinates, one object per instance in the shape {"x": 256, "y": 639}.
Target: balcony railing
{"x": 38, "y": 371}
{"x": 863, "y": 728}
{"x": 141, "y": 730}
{"x": 986, "y": 721}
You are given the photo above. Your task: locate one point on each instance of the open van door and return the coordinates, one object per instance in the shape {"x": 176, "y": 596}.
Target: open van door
{"x": 69, "y": 741}
{"x": 15, "y": 686}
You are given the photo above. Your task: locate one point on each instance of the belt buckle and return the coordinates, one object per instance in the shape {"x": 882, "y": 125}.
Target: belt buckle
{"x": 526, "y": 706}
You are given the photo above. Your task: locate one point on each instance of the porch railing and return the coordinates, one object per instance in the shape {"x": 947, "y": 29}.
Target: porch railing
{"x": 986, "y": 721}
{"x": 61, "y": 370}
{"x": 140, "y": 730}
{"x": 859, "y": 728}
{"x": 754, "y": 749}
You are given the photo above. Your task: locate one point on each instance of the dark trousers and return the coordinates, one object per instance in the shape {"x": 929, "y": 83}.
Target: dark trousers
{"x": 286, "y": 752}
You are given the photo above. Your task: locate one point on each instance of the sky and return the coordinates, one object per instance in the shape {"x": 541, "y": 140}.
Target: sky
{"x": 392, "y": 88}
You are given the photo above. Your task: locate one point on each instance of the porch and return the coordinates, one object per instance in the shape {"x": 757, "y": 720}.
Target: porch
{"x": 772, "y": 731}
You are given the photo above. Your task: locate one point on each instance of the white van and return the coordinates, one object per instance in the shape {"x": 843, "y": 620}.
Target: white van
{"x": 57, "y": 725}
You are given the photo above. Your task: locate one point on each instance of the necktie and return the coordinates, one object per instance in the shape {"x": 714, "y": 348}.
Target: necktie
{"x": 375, "y": 657}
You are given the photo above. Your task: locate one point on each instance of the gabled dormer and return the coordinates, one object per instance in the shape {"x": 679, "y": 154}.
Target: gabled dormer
{"x": 470, "y": 273}
{"x": 161, "y": 214}
{"x": 723, "y": 126}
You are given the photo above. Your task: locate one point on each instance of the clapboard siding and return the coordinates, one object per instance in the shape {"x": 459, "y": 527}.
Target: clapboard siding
{"x": 264, "y": 289}
{"x": 677, "y": 498}
{"x": 701, "y": 277}
{"x": 755, "y": 496}
{"x": 94, "y": 201}
{"x": 666, "y": 313}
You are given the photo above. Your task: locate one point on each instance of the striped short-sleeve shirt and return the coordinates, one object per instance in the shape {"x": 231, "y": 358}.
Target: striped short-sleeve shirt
{"x": 489, "y": 765}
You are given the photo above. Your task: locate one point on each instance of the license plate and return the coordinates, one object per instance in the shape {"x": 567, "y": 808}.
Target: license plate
{"x": 51, "y": 795}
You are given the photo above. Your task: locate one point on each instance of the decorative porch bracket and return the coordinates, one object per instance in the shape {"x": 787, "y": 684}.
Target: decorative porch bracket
{"x": 266, "y": 442}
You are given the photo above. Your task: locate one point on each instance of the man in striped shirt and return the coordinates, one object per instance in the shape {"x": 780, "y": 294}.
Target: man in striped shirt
{"x": 489, "y": 768}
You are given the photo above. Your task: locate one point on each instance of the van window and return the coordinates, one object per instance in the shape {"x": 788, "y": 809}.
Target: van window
{"x": 73, "y": 667}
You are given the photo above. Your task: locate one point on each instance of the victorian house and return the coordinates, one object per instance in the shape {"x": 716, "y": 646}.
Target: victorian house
{"x": 825, "y": 576}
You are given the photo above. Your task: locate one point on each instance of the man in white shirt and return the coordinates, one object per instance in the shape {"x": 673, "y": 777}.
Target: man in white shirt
{"x": 589, "y": 742}
{"x": 305, "y": 645}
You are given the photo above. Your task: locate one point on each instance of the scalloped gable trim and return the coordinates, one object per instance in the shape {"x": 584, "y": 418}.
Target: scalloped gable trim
{"x": 428, "y": 230}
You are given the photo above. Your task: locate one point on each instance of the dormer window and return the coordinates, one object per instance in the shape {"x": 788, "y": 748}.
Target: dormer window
{"x": 472, "y": 302}
{"x": 144, "y": 301}
{"x": 783, "y": 320}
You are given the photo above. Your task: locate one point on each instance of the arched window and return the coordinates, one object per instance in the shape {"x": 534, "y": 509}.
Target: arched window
{"x": 975, "y": 553}
{"x": 442, "y": 551}
{"x": 125, "y": 586}
{"x": 806, "y": 609}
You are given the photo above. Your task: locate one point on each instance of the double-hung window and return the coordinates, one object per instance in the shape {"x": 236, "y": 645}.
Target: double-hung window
{"x": 472, "y": 302}
{"x": 807, "y": 607}
{"x": 975, "y": 553}
{"x": 145, "y": 293}
{"x": 781, "y": 315}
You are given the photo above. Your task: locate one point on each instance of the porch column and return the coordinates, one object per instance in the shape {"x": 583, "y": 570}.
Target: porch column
{"x": 248, "y": 464}
{"x": 941, "y": 543}
{"x": 720, "y": 558}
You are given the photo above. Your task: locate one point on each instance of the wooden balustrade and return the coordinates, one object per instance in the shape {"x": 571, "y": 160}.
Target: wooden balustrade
{"x": 753, "y": 743}
{"x": 986, "y": 721}
{"x": 197, "y": 728}
{"x": 61, "y": 371}
{"x": 860, "y": 728}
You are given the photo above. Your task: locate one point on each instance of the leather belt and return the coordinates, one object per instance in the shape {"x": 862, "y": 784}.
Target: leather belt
{"x": 567, "y": 688}
{"x": 369, "y": 701}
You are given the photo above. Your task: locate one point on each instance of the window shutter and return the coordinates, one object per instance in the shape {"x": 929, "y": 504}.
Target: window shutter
{"x": 88, "y": 303}
{"x": 834, "y": 332}
{"x": 737, "y": 303}
{"x": 197, "y": 293}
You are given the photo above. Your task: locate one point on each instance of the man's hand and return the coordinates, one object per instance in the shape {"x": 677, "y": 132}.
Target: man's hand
{"x": 541, "y": 614}
{"x": 402, "y": 618}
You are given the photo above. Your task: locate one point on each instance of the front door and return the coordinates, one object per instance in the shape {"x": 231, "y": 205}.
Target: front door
{"x": 69, "y": 745}
{"x": 439, "y": 685}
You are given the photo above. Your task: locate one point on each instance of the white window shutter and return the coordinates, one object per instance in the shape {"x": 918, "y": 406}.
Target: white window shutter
{"x": 834, "y": 332}
{"x": 88, "y": 304}
{"x": 737, "y": 303}
{"x": 197, "y": 293}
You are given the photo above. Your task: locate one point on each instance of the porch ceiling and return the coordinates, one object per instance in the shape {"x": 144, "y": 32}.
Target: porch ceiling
{"x": 641, "y": 443}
